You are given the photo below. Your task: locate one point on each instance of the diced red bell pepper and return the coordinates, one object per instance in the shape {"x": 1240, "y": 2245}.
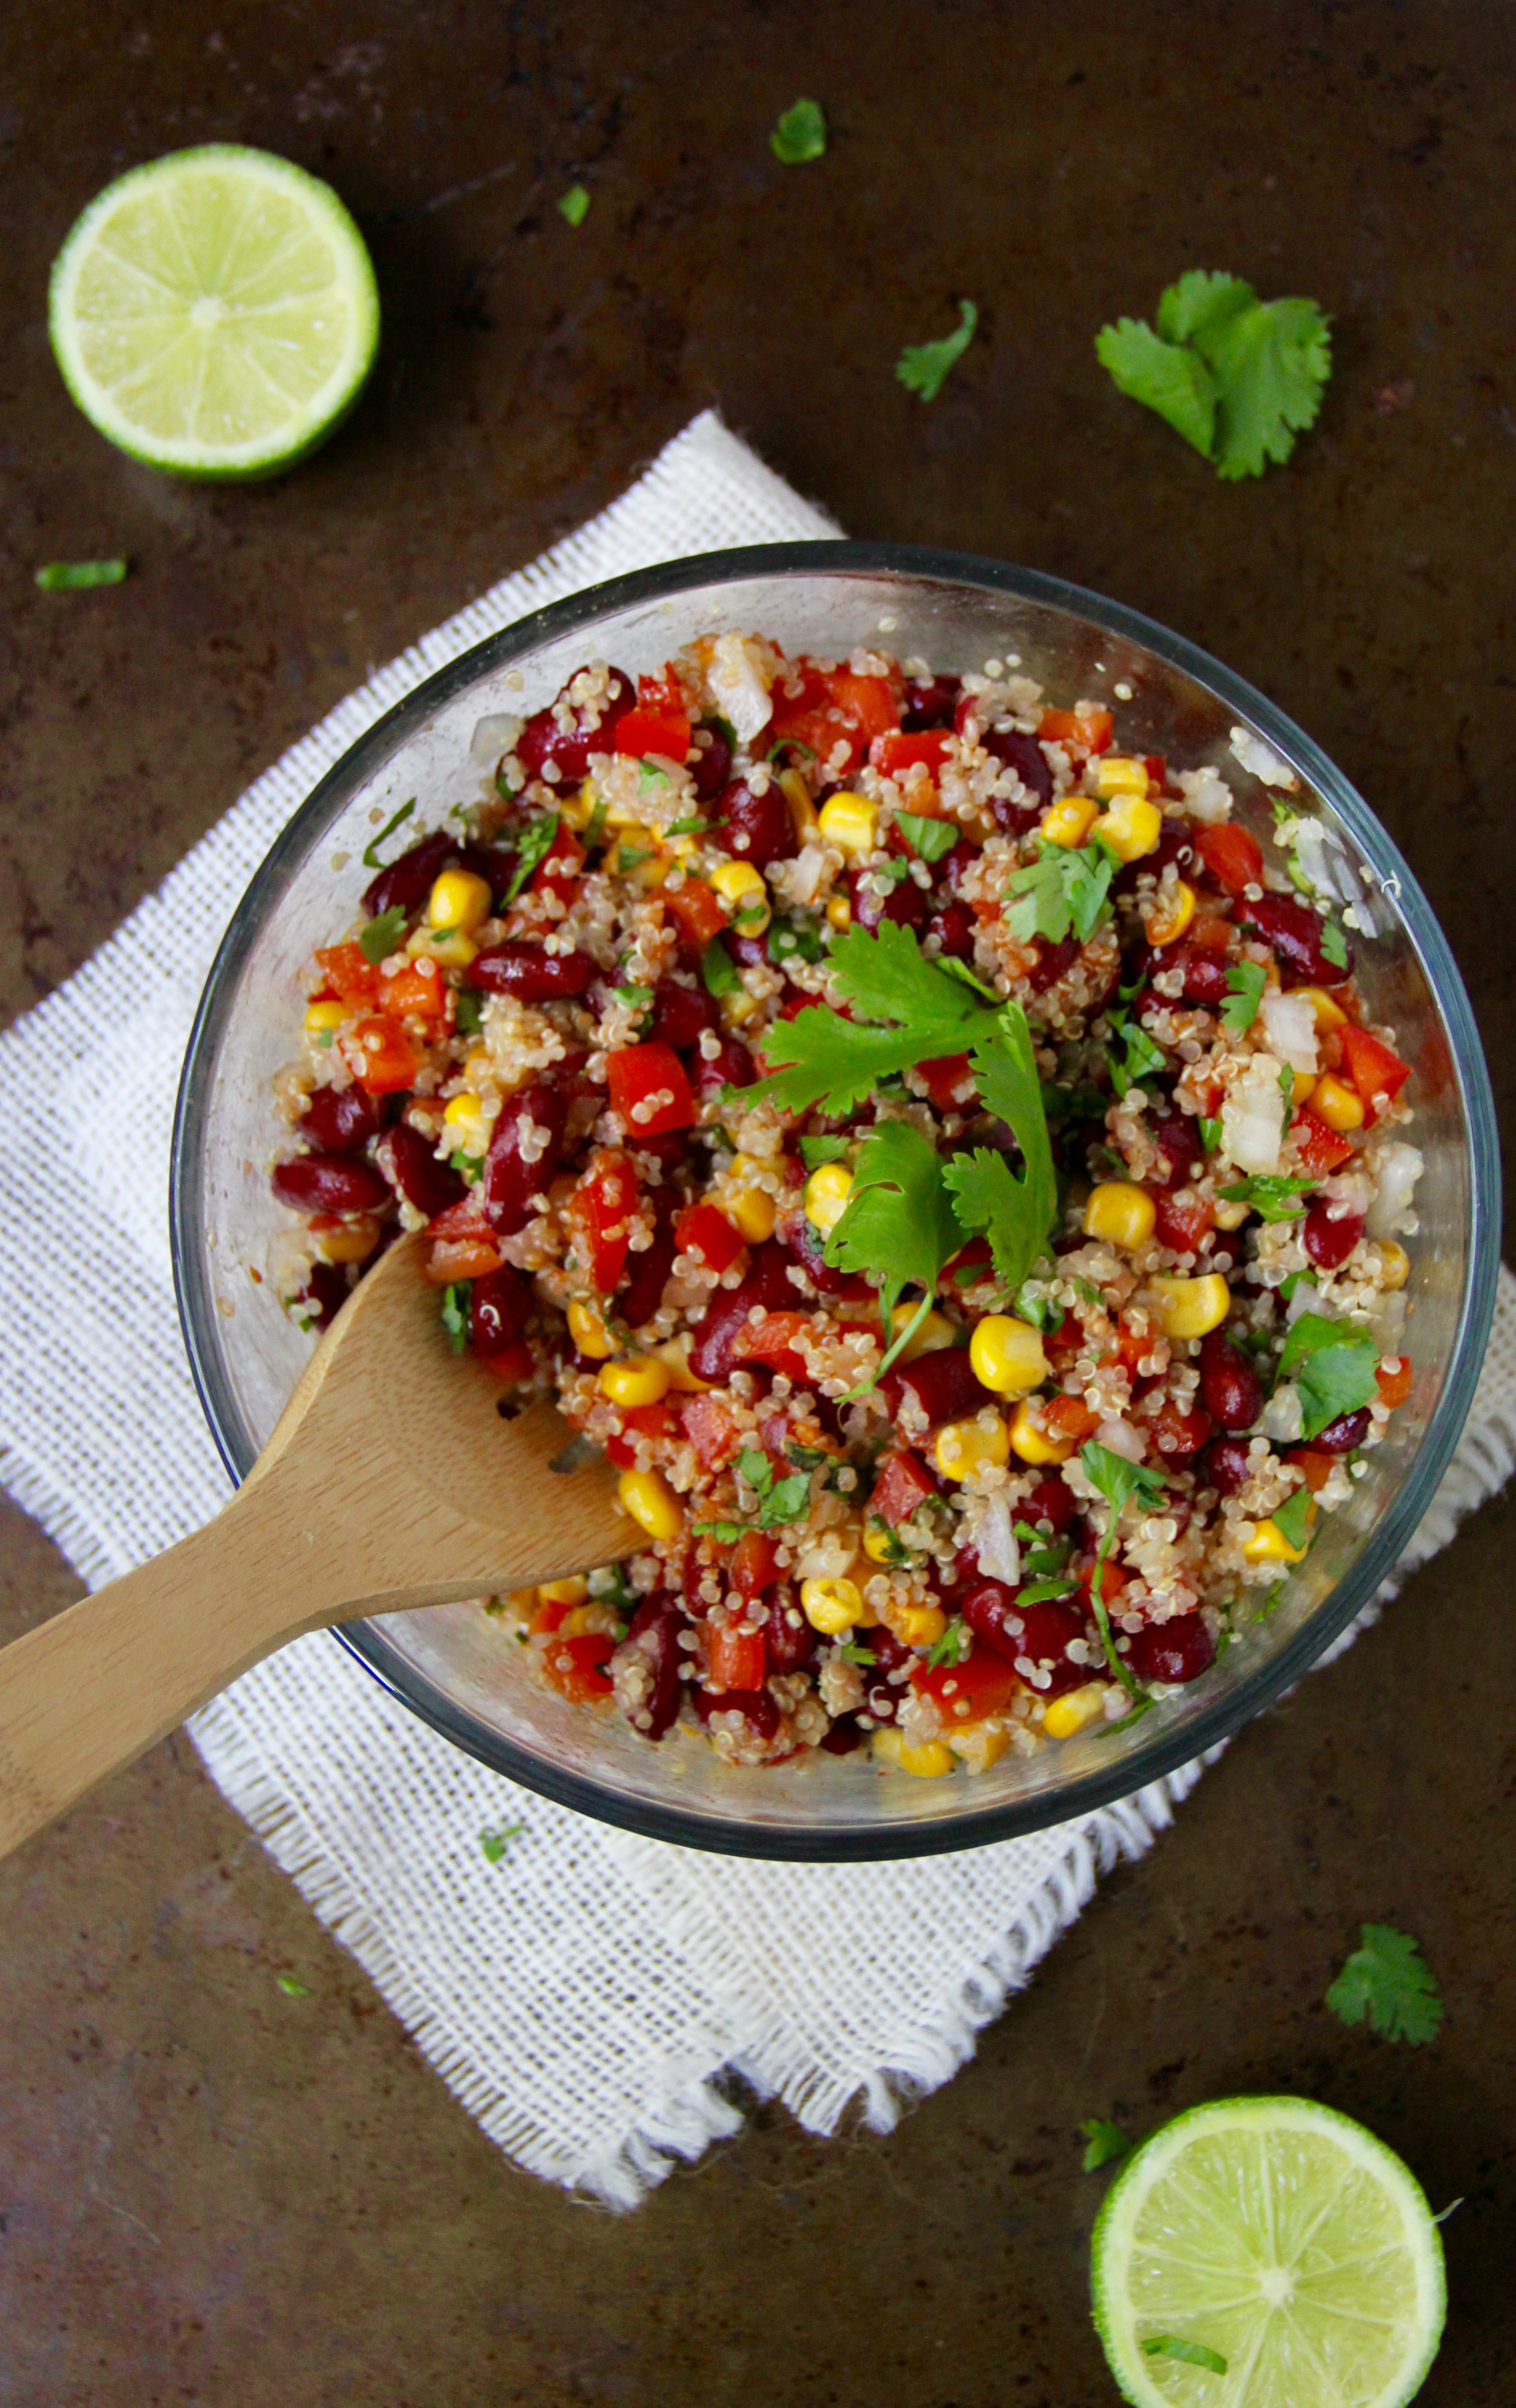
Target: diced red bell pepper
{"x": 418, "y": 992}
{"x": 350, "y": 973}
{"x": 1396, "y": 1386}
{"x": 835, "y": 707}
{"x": 576, "y": 1666}
{"x": 903, "y": 1483}
{"x": 1113, "y": 1579}
{"x": 646, "y": 733}
{"x": 738, "y": 1659}
{"x": 943, "y": 1078}
{"x": 1082, "y": 731}
{"x": 708, "y": 1235}
{"x": 1318, "y": 1467}
{"x": 698, "y": 910}
{"x": 985, "y": 1681}
{"x": 772, "y": 1340}
{"x": 1132, "y": 1345}
{"x": 558, "y": 871}
{"x": 639, "y": 1421}
{"x": 894, "y": 752}
{"x": 379, "y": 1054}
{"x": 1321, "y": 1150}
{"x": 1210, "y": 932}
{"x": 511, "y": 1364}
{"x": 1185, "y": 1216}
{"x": 1157, "y": 769}
{"x": 462, "y": 1244}
{"x": 639, "y": 1072}
{"x": 714, "y": 1430}
{"x": 1233, "y": 854}
{"x": 599, "y": 1217}
{"x": 1067, "y": 1417}
{"x": 664, "y": 693}
{"x": 1374, "y": 1069}
{"x": 754, "y": 1567}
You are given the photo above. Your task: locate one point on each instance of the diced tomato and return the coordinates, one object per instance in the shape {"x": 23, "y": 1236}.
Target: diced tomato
{"x": 1113, "y": 1579}
{"x": 350, "y": 973}
{"x": 1185, "y": 1219}
{"x": 558, "y": 871}
{"x": 548, "y": 1614}
{"x": 1132, "y": 1345}
{"x": 1396, "y": 1386}
{"x": 1157, "y": 769}
{"x": 1179, "y": 1434}
{"x": 1374, "y": 1069}
{"x": 512, "y": 1364}
{"x": 379, "y": 1054}
{"x": 1061, "y": 1344}
{"x": 985, "y": 1683}
{"x": 714, "y": 1430}
{"x": 1234, "y": 857}
{"x": 638, "y": 1072}
{"x": 1069, "y": 1417}
{"x": 903, "y": 1483}
{"x": 462, "y": 1258}
{"x": 1082, "y": 731}
{"x": 1317, "y": 1468}
{"x": 709, "y": 1234}
{"x": 645, "y": 733}
{"x": 639, "y": 1421}
{"x": 894, "y": 753}
{"x": 699, "y": 910}
{"x": 663, "y": 693}
{"x": 1321, "y": 1150}
{"x": 833, "y": 708}
{"x": 737, "y": 1659}
{"x": 417, "y": 990}
{"x": 599, "y": 1217}
{"x": 1212, "y": 933}
{"x": 576, "y": 1666}
{"x": 772, "y": 1340}
{"x": 754, "y": 1567}
{"x": 870, "y": 704}
{"x": 943, "y": 1076}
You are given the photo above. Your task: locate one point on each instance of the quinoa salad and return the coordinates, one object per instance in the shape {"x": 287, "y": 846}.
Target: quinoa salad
{"x": 939, "y": 1155}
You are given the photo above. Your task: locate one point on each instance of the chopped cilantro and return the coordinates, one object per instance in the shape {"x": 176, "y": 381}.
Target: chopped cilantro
{"x": 1144, "y": 1058}
{"x": 1211, "y": 1133}
{"x": 851, "y": 1653}
{"x": 808, "y": 1458}
{"x": 1335, "y": 1367}
{"x": 695, "y": 825}
{"x": 492, "y": 1844}
{"x": 800, "y": 134}
{"x": 75, "y": 576}
{"x": 786, "y": 943}
{"x": 1105, "y": 2142}
{"x": 469, "y": 1010}
{"x": 1272, "y": 1196}
{"x": 597, "y": 826}
{"x": 291, "y": 1988}
{"x": 456, "y": 1311}
{"x": 786, "y": 1501}
{"x": 892, "y": 872}
{"x": 785, "y": 744}
{"x": 1190, "y": 2353}
{"x": 814, "y": 1151}
{"x": 1015, "y": 1214}
{"x": 956, "y": 1642}
{"x": 1117, "y": 1480}
{"x": 1244, "y": 983}
{"x": 638, "y": 995}
{"x": 467, "y": 1166}
{"x": 1238, "y": 378}
{"x": 726, "y": 1534}
{"x": 630, "y": 857}
{"x": 924, "y": 367}
{"x": 1036, "y": 1592}
{"x": 718, "y": 969}
{"x": 535, "y": 844}
{"x": 894, "y": 1550}
{"x": 574, "y": 205}
{"x": 1389, "y": 1981}
{"x": 930, "y": 838}
{"x": 898, "y": 1223}
{"x": 1290, "y": 1518}
{"x": 1334, "y": 944}
{"x": 1064, "y": 888}
{"x": 381, "y": 936}
{"x": 371, "y": 853}
{"x": 610, "y": 1585}
{"x": 1041, "y": 1311}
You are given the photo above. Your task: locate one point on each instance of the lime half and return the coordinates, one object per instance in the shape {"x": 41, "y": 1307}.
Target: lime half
{"x": 1279, "y": 2239}
{"x": 215, "y": 313}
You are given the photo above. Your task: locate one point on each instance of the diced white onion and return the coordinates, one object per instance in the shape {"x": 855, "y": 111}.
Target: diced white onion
{"x": 735, "y": 680}
{"x": 1263, "y": 760}
{"x": 1291, "y": 1022}
{"x": 994, "y": 1541}
{"x": 1121, "y": 1438}
{"x": 494, "y": 734}
{"x": 1207, "y": 797}
{"x": 1252, "y": 1116}
{"x": 1399, "y": 1168}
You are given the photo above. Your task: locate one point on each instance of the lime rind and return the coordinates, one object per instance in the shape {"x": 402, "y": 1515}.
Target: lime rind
{"x": 1192, "y": 2247}
{"x": 214, "y": 314}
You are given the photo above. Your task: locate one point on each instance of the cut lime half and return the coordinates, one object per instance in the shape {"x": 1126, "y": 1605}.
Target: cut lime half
{"x": 215, "y": 313}
{"x": 1279, "y": 2239}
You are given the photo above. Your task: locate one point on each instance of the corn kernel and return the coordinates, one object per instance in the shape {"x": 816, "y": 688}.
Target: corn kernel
{"x": 916, "y": 1626}
{"x": 739, "y": 1007}
{"x": 751, "y": 1210}
{"x": 564, "y": 1592}
{"x": 522, "y": 1600}
{"x": 1131, "y": 827}
{"x": 826, "y": 1195}
{"x": 463, "y": 1109}
{"x": 1173, "y": 916}
{"x": 1338, "y": 1104}
{"x": 644, "y": 1380}
{"x": 1007, "y": 1355}
{"x": 802, "y": 810}
{"x": 741, "y": 888}
{"x": 587, "y": 1329}
{"x": 979, "y": 1746}
{"x": 1032, "y": 1443}
{"x": 932, "y": 1757}
{"x": 1303, "y": 1085}
{"x": 1075, "y": 1710}
{"x": 1118, "y": 773}
{"x": 1396, "y": 1263}
{"x": 879, "y": 1546}
{"x": 1231, "y": 1216}
{"x": 578, "y": 1619}
{"x": 451, "y": 949}
{"x": 831, "y": 1606}
{"x": 935, "y": 1332}
{"x": 1329, "y": 1012}
{"x": 322, "y": 1016}
{"x": 675, "y": 1351}
{"x": 839, "y": 910}
{"x": 577, "y": 811}
{"x": 1120, "y": 1213}
{"x": 459, "y": 900}
{"x": 849, "y": 821}
{"x": 977, "y": 1445}
{"x": 353, "y": 1241}
{"x": 1269, "y": 1545}
{"x": 1069, "y": 822}
{"x": 1190, "y": 1308}
{"x": 652, "y": 1503}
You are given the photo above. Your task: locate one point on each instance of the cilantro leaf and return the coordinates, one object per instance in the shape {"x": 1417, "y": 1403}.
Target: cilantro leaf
{"x": 574, "y": 205}
{"x": 1272, "y": 1196}
{"x": 494, "y": 1844}
{"x": 1335, "y": 1367}
{"x": 469, "y": 1010}
{"x": 785, "y": 1501}
{"x": 1105, "y": 2142}
{"x": 1036, "y": 1592}
{"x": 1015, "y": 1214}
{"x": 800, "y": 134}
{"x": 753, "y": 1466}
{"x": 1064, "y": 888}
{"x": 1271, "y": 363}
{"x": 820, "y": 1056}
{"x": 1144, "y": 1055}
{"x": 455, "y": 1310}
{"x": 899, "y": 1220}
{"x": 1167, "y": 378}
{"x": 1190, "y": 2353}
{"x": 718, "y": 969}
{"x": 1244, "y": 983}
{"x": 291, "y": 1988}
{"x": 1117, "y": 1480}
{"x": 1290, "y": 1518}
{"x": 1042, "y": 1311}
{"x": 75, "y": 576}
{"x": 955, "y": 1643}
{"x": 1334, "y": 944}
{"x": 786, "y": 941}
{"x": 1389, "y": 1981}
{"x": 371, "y": 851}
{"x": 1211, "y": 1134}
{"x": 535, "y": 844}
{"x": 725, "y": 1534}
{"x": 930, "y": 838}
{"x": 851, "y": 1653}
{"x": 814, "y": 1151}
{"x": 381, "y": 936}
{"x": 924, "y": 367}
{"x": 893, "y": 1548}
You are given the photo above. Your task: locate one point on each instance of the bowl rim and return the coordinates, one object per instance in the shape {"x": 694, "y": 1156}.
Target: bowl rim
{"x": 1161, "y": 1752}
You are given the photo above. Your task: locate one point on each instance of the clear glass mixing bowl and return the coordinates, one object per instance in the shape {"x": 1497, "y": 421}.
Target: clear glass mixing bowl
{"x": 453, "y": 1665}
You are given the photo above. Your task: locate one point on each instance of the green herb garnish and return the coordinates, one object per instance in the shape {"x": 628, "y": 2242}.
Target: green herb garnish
{"x": 1064, "y": 888}
{"x": 467, "y": 1010}
{"x": 1244, "y": 983}
{"x": 786, "y": 943}
{"x": 371, "y": 859}
{"x": 456, "y": 1301}
{"x": 1117, "y": 1480}
{"x": 1272, "y": 1196}
{"x": 1211, "y": 1133}
{"x": 800, "y": 134}
{"x": 955, "y": 1646}
{"x": 536, "y": 843}
{"x": 851, "y": 1653}
{"x": 1335, "y": 1367}
{"x": 1334, "y": 944}
{"x": 1290, "y": 1518}
{"x": 1192, "y": 2353}
{"x": 718, "y": 969}
{"x": 898, "y": 1223}
{"x": 1238, "y": 378}
{"x": 930, "y": 838}
{"x": 291, "y": 1988}
{"x": 814, "y": 1151}
{"x": 76, "y": 575}
{"x": 1389, "y": 1981}
{"x": 378, "y": 939}
{"x": 574, "y": 204}
{"x": 989, "y": 1199}
{"x": 924, "y": 367}
{"x": 1104, "y": 2143}
{"x": 492, "y": 1844}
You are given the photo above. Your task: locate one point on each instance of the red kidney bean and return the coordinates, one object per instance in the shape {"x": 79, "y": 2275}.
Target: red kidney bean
{"x": 1174, "y": 1651}
{"x": 807, "y": 1246}
{"x": 987, "y": 1609}
{"x": 330, "y": 1183}
{"x": 324, "y": 1293}
{"x": 1225, "y": 1465}
{"x": 760, "y": 828}
{"x": 531, "y": 973}
{"x": 1341, "y": 1436}
{"x": 767, "y": 1283}
{"x": 1039, "y": 1633}
{"x": 1178, "y": 1141}
{"x": 1230, "y": 1388}
{"x": 790, "y": 1648}
{"x": 646, "y": 1273}
{"x": 929, "y": 702}
{"x": 1294, "y": 932}
{"x": 951, "y": 869}
{"x": 732, "y": 1066}
{"x": 1052, "y": 963}
{"x": 653, "y": 1636}
{"x": 713, "y": 765}
{"x": 953, "y": 926}
{"x": 1052, "y": 1500}
{"x": 1203, "y": 975}
{"x": 542, "y": 739}
{"x": 669, "y": 1147}
{"x": 410, "y": 878}
{"x": 409, "y": 1163}
{"x": 681, "y": 1014}
{"x": 843, "y": 1736}
{"x": 510, "y": 1182}
{"x": 498, "y": 1309}
{"x": 1174, "y": 845}
{"x": 1177, "y": 1435}
{"x": 1015, "y": 819}
{"x": 905, "y": 903}
{"x": 756, "y": 1705}
{"x": 340, "y": 1120}
{"x": 1011, "y": 746}
{"x": 1329, "y": 1241}
{"x": 944, "y": 1384}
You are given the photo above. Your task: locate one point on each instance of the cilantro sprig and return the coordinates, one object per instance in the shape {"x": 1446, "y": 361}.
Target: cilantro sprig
{"x": 537, "y": 844}
{"x": 1014, "y": 1213}
{"x": 1272, "y": 1194}
{"x": 1389, "y": 1982}
{"x": 1335, "y": 1367}
{"x": 1117, "y": 1480}
{"x": 924, "y": 367}
{"x": 1064, "y": 888}
{"x": 929, "y": 837}
{"x": 908, "y": 1010}
{"x": 1244, "y": 983}
{"x": 898, "y": 1223}
{"x": 1238, "y": 378}
{"x": 371, "y": 851}
{"x": 380, "y": 937}
{"x": 779, "y": 1500}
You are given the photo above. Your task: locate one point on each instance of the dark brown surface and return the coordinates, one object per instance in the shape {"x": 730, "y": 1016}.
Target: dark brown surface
{"x": 210, "y": 2190}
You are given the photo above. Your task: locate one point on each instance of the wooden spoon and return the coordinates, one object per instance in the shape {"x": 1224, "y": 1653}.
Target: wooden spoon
{"x": 391, "y": 1480}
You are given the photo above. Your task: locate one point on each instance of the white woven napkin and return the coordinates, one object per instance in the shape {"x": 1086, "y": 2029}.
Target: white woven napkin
{"x": 585, "y": 1995}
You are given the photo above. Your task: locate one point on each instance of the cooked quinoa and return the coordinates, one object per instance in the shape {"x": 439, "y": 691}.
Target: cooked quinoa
{"x": 941, "y": 1158}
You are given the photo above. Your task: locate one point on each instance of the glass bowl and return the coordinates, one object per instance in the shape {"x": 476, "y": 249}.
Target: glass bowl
{"x": 455, "y": 1667}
